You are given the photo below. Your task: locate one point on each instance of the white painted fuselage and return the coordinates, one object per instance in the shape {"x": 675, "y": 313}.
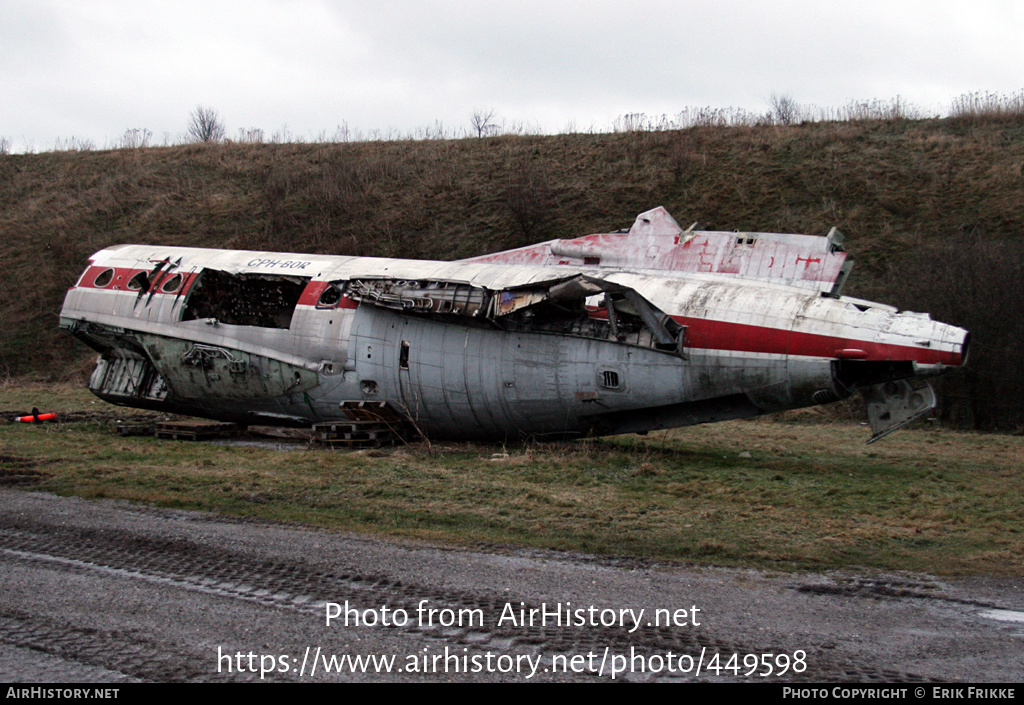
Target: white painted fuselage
{"x": 635, "y": 332}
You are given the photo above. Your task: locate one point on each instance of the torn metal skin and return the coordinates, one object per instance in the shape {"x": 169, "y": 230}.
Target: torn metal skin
{"x": 650, "y": 328}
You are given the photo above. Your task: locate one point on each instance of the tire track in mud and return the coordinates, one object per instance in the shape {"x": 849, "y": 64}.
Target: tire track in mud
{"x": 113, "y": 650}
{"x": 889, "y": 588}
{"x": 303, "y": 587}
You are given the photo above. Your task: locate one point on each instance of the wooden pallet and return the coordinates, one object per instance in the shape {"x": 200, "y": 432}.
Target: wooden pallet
{"x": 369, "y": 424}
{"x": 355, "y": 434}
{"x": 136, "y": 429}
{"x": 195, "y": 430}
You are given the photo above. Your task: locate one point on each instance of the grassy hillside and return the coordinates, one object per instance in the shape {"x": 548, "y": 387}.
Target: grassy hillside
{"x": 901, "y": 190}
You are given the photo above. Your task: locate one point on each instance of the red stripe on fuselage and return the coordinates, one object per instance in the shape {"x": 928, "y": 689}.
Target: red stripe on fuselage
{"x": 122, "y": 275}
{"x": 311, "y": 294}
{"x": 315, "y": 289}
{"x": 708, "y": 334}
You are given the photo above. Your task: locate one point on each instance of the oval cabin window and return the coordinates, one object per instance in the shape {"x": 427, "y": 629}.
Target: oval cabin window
{"x": 103, "y": 278}
{"x": 139, "y": 281}
{"x": 172, "y": 285}
{"x": 330, "y": 296}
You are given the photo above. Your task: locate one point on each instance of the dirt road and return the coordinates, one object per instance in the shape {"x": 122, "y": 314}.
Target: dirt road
{"x": 107, "y": 591}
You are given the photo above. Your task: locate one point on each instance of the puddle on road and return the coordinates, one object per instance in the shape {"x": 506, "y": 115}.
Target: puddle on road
{"x": 1004, "y": 615}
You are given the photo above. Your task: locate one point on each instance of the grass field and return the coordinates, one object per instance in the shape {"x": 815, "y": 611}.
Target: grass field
{"x": 782, "y": 493}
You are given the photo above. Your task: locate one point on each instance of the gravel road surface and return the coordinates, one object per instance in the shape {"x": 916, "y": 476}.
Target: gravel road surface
{"x": 112, "y": 592}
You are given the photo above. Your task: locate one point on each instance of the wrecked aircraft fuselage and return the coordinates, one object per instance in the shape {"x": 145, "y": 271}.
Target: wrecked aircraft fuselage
{"x": 652, "y": 328}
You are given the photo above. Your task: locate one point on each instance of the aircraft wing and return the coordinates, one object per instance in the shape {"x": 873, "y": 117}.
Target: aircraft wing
{"x": 656, "y": 242}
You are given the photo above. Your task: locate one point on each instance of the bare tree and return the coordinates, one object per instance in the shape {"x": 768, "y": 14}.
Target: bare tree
{"x": 483, "y": 122}
{"x": 204, "y": 125}
{"x": 785, "y": 109}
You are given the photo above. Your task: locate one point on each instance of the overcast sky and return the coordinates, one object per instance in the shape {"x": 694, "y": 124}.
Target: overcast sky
{"x": 91, "y": 69}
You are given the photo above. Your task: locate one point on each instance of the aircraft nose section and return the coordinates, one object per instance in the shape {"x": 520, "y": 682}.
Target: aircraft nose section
{"x": 946, "y": 347}
{"x": 892, "y": 374}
